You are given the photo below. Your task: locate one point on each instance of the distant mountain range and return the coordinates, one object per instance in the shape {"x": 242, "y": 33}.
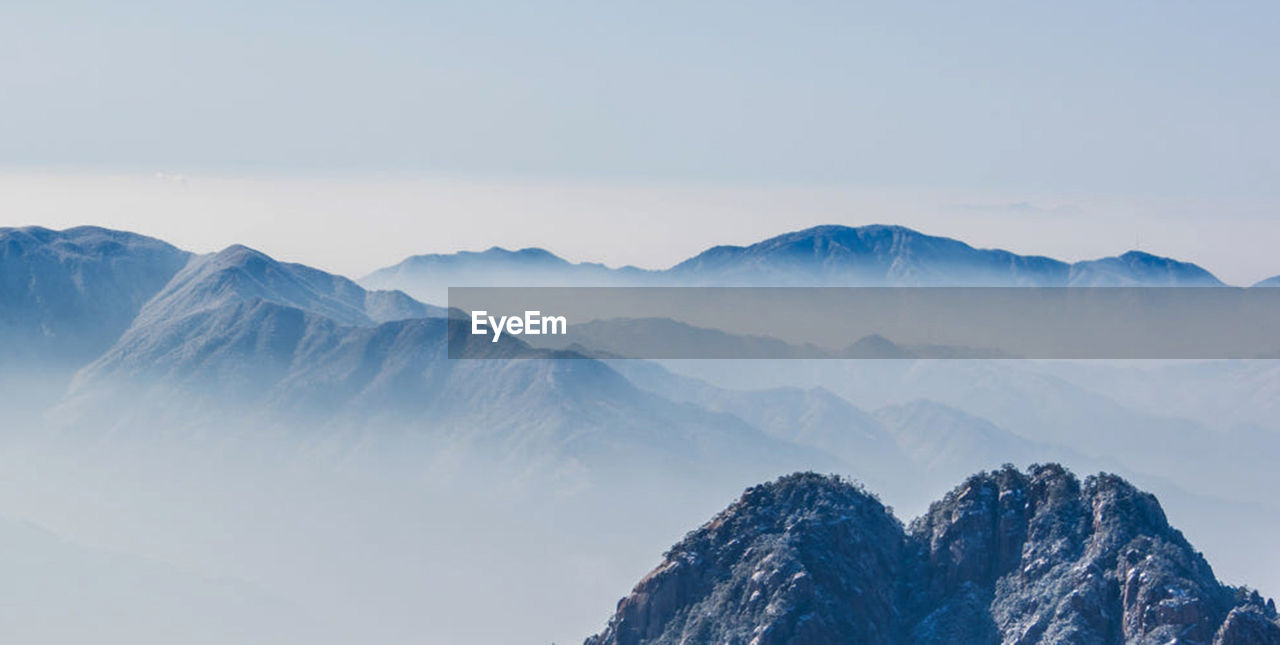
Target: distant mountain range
{"x": 155, "y": 334}
{"x": 1006, "y": 557}
{"x": 146, "y": 342}
{"x": 874, "y": 255}
{"x": 193, "y": 344}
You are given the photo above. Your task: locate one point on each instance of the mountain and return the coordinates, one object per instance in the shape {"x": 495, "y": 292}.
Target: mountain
{"x": 429, "y": 276}
{"x": 1269, "y": 282}
{"x": 240, "y": 274}
{"x": 879, "y": 255}
{"x": 391, "y": 390}
{"x": 1006, "y": 557}
{"x": 1136, "y": 268}
{"x": 239, "y": 317}
{"x": 875, "y": 255}
{"x": 867, "y": 255}
{"x": 65, "y": 296}
{"x": 238, "y": 338}
{"x": 1026, "y": 398}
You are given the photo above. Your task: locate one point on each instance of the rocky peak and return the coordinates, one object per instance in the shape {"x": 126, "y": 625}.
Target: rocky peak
{"x": 1010, "y": 556}
{"x": 789, "y": 559}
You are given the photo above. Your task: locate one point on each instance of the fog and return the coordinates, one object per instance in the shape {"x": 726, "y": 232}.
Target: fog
{"x": 275, "y": 532}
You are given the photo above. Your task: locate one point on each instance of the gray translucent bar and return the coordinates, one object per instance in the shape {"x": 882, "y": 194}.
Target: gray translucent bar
{"x": 867, "y": 322}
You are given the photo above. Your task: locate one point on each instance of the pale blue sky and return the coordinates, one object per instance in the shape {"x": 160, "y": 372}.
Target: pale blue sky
{"x": 1164, "y": 97}
{"x": 1167, "y": 104}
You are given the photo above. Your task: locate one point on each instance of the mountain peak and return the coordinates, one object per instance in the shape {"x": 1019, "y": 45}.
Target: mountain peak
{"x": 872, "y": 255}
{"x": 240, "y": 251}
{"x": 429, "y": 276}
{"x": 844, "y": 231}
{"x": 71, "y": 293}
{"x": 527, "y": 253}
{"x": 1007, "y": 556}
{"x": 760, "y": 553}
{"x": 239, "y": 256}
{"x": 83, "y": 241}
{"x": 1139, "y": 268}
{"x": 238, "y": 273}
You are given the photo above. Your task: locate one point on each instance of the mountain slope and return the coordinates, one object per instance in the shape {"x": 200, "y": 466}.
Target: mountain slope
{"x": 65, "y": 296}
{"x": 812, "y": 417}
{"x": 239, "y": 300}
{"x": 379, "y": 389}
{"x": 239, "y": 274}
{"x": 1269, "y": 282}
{"x": 1006, "y": 557}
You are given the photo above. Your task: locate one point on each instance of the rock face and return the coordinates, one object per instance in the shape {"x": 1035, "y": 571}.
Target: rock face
{"x": 1007, "y": 557}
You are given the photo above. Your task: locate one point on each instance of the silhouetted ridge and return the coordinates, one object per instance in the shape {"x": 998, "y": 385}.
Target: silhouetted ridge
{"x": 1006, "y": 557}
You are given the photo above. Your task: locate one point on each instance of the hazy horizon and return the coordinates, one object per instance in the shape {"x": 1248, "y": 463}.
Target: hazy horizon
{"x": 352, "y": 223}
{"x": 644, "y": 134}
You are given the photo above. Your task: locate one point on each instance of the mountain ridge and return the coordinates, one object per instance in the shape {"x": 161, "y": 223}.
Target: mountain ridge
{"x": 1006, "y": 557}
{"x": 70, "y": 293}
{"x": 827, "y": 255}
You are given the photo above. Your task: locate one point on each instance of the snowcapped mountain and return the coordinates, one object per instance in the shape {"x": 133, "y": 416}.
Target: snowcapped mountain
{"x": 875, "y": 255}
{"x": 1269, "y": 282}
{"x": 1007, "y": 556}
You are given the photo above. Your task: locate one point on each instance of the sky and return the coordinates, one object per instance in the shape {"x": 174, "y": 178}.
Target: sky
{"x": 642, "y": 132}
